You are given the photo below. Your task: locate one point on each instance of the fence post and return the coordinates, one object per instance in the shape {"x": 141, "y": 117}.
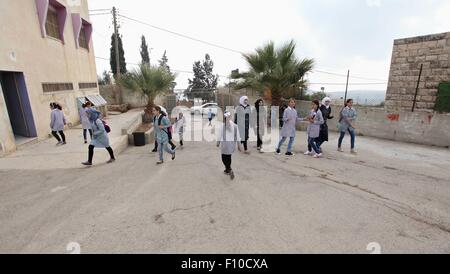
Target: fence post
{"x": 417, "y": 88}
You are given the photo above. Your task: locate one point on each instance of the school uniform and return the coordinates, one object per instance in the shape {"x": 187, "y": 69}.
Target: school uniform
{"x": 86, "y": 125}
{"x": 228, "y": 138}
{"x": 179, "y": 127}
{"x": 162, "y": 136}
{"x": 100, "y": 137}
{"x": 313, "y": 131}
{"x": 289, "y": 130}
{"x": 347, "y": 115}
{"x": 57, "y": 123}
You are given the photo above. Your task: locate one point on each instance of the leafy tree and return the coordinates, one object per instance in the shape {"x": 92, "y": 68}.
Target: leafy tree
{"x": 112, "y": 61}
{"x": 104, "y": 79}
{"x": 144, "y": 51}
{"x": 277, "y": 70}
{"x": 319, "y": 95}
{"x": 163, "y": 63}
{"x": 148, "y": 80}
{"x": 204, "y": 83}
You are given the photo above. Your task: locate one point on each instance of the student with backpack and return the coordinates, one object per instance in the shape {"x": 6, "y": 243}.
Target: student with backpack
{"x": 100, "y": 137}
{"x": 228, "y": 138}
{"x": 169, "y": 131}
{"x": 347, "y": 124}
{"x": 57, "y": 123}
{"x": 162, "y": 134}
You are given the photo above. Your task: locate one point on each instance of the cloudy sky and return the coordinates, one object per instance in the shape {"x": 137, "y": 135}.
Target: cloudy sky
{"x": 339, "y": 34}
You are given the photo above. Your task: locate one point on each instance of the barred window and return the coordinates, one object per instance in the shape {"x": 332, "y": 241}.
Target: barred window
{"x": 82, "y": 40}
{"x": 87, "y": 85}
{"x": 53, "y": 87}
{"x": 52, "y": 25}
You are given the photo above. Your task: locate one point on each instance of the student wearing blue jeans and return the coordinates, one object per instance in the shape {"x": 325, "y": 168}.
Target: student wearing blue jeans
{"x": 315, "y": 119}
{"x": 352, "y": 139}
{"x": 346, "y": 124}
{"x": 288, "y": 131}
{"x": 161, "y": 128}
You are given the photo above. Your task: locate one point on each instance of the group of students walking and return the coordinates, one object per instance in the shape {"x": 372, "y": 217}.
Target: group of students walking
{"x": 91, "y": 122}
{"x": 233, "y": 134}
{"x": 236, "y": 134}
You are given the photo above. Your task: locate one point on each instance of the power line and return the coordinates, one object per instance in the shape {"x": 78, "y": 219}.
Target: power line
{"x": 94, "y": 14}
{"x": 229, "y": 49}
{"x": 181, "y": 35}
{"x": 343, "y": 84}
{"x": 175, "y": 70}
{"x": 344, "y": 75}
{"x": 100, "y": 10}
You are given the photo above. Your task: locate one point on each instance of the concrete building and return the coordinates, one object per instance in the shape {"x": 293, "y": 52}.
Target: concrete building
{"x": 431, "y": 51}
{"x": 46, "y": 55}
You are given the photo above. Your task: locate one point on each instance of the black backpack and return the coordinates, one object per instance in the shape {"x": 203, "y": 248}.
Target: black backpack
{"x": 159, "y": 123}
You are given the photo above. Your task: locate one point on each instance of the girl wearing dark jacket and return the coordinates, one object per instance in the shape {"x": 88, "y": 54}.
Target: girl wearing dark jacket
{"x": 326, "y": 113}
{"x": 260, "y": 122}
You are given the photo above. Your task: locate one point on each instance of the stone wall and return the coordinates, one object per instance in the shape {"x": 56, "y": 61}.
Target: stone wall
{"x": 433, "y": 51}
{"x": 405, "y": 126}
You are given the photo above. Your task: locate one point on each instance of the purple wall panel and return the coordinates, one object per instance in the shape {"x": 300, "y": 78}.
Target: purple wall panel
{"x": 42, "y": 9}
{"x": 76, "y": 21}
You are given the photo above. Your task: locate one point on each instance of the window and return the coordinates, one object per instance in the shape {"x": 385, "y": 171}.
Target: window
{"x": 51, "y": 24}
{"x": 87, "y": 85}
{"x": 82, "y": 39}
{"x": 53, "y": 87}
{"x": 52, "y": 17}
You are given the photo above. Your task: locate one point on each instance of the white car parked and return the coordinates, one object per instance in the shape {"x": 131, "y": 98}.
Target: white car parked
{"x": 204, "y": 109}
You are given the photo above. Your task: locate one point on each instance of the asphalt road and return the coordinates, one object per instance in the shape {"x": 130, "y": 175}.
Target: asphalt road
{"x": 393, "y": 194}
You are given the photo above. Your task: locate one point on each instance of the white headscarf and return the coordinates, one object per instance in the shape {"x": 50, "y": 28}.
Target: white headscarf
{"x": 242, "y": 101}
{"x": 326, "y": 99}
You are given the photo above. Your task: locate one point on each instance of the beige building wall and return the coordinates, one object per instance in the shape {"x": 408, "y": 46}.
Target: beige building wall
{"x": 43, "y": 60}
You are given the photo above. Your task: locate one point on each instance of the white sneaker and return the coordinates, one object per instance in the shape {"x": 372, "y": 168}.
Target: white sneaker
{"x": 340, "y": 150}
{"x": 308, "y": 153}
{"x": 318, "y": 155}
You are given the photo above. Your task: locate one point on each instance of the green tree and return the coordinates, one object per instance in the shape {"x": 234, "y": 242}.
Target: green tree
{"x": 148, "y": 80}
{"x": 205, "y": 82}
{"x": 104, "y": 79}
{"x": 144, "y": 51}
{"x": 112, "y": 59}
{"x": 277, "y": 70}
{"x": 164, "y": 63}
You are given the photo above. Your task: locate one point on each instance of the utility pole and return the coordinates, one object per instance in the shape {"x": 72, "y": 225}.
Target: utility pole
{"x": 417, "y": 89}
{"x": 346, "y": 88}
{"x": 116, "y": 46}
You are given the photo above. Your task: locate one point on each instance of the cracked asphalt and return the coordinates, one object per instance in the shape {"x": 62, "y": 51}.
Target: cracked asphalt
{"x": 394, "y": 194}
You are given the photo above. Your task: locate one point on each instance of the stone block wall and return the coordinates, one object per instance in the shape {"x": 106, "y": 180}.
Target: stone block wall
{"x": 433, "y": 51}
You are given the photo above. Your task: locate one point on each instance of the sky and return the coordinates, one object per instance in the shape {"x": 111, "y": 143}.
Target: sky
{"x": 340, "y": 35}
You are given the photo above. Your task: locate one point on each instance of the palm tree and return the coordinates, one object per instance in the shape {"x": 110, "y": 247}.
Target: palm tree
{"x": 148, "y": 80}
{"x": 276, "y": 70}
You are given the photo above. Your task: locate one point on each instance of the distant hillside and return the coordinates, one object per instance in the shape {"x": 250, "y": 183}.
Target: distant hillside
{"x": 364, "y": 97}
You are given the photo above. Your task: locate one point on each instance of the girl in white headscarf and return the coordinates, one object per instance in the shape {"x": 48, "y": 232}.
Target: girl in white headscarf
{"x": 242, "y": 119}
{"x": 325, "y": 108}
{"x": 228, "y": 139}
